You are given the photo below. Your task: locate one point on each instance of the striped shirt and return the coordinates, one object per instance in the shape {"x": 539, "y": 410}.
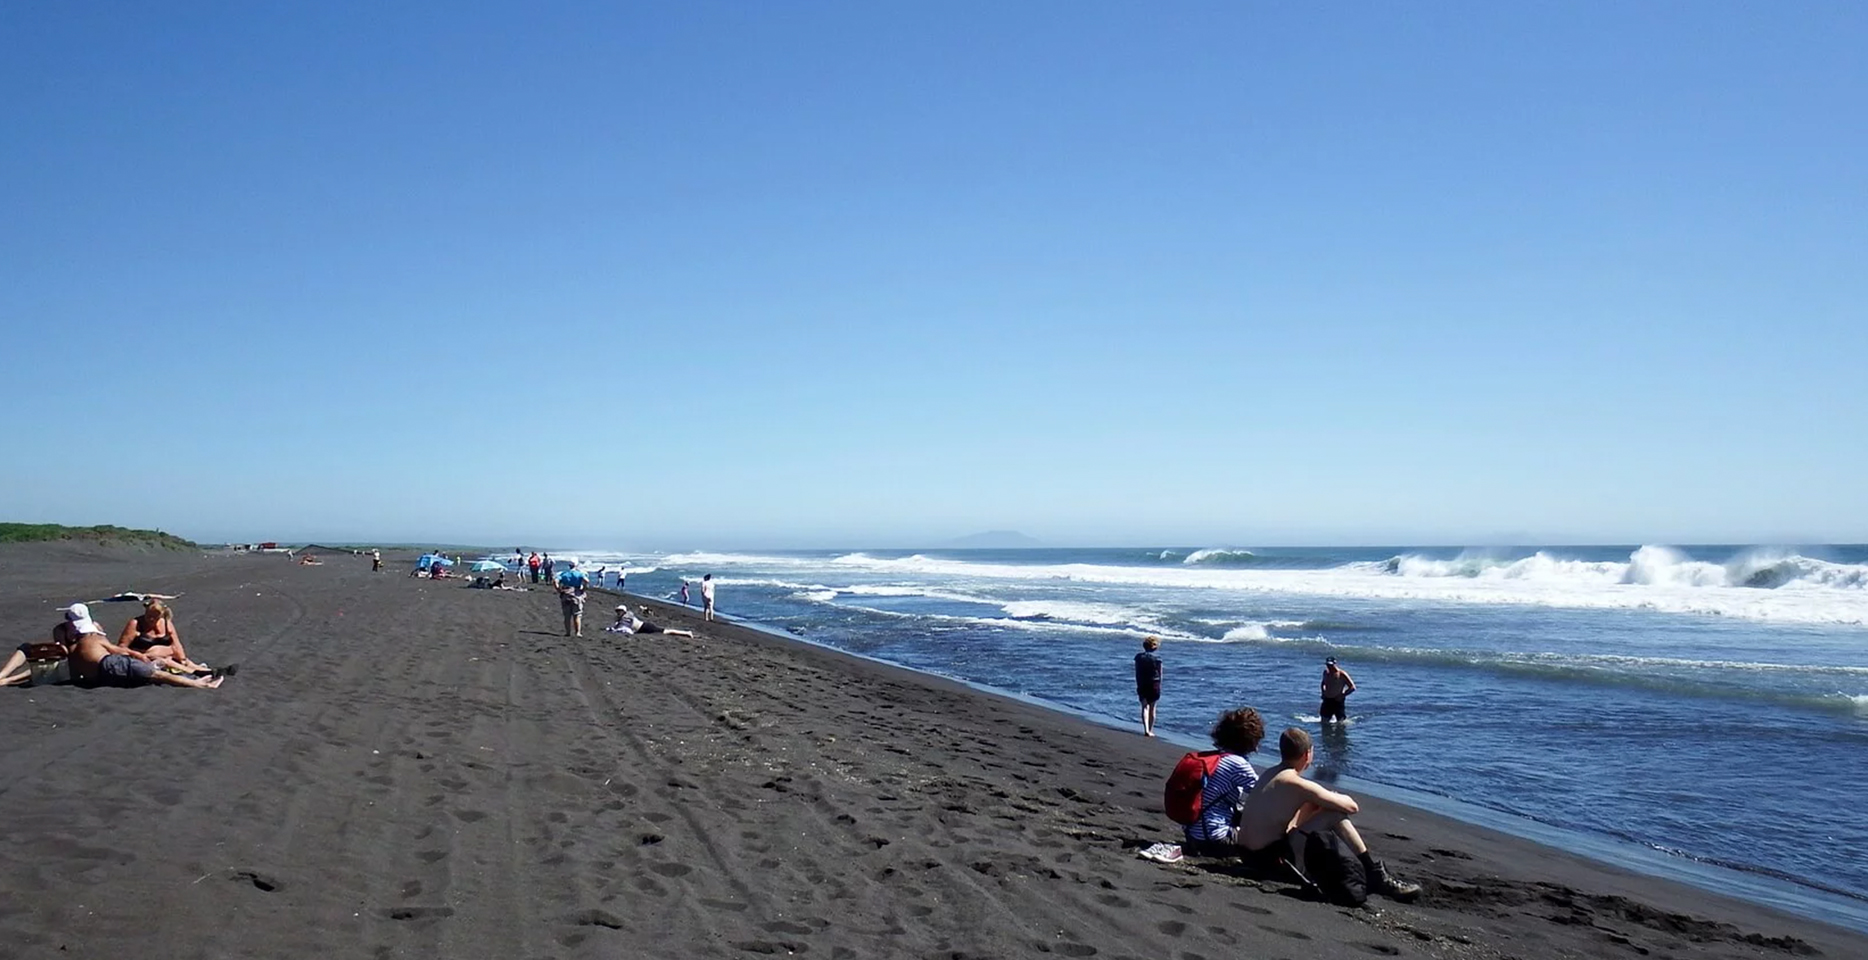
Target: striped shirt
{"x": 1226, "y": 789}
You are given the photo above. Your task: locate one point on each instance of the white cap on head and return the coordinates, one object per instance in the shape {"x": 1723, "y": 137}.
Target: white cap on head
{"x": 622, "y": 606}
{"x": 79, "y": 616}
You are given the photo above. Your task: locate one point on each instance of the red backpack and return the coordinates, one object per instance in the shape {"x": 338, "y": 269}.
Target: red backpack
{"x": 1186, "y": 786}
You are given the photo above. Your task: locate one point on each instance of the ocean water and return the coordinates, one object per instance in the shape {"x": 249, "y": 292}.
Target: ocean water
{"x": 1703, "y": 706}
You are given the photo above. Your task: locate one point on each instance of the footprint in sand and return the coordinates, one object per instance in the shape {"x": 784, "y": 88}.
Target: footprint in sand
{"x": 416, "y": 913}
{"x": 596, "y": 918}
{"x": 259, "y": 881}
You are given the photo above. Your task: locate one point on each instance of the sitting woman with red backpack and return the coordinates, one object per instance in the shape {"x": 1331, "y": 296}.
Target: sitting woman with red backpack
{"x": 1207, "y": 790}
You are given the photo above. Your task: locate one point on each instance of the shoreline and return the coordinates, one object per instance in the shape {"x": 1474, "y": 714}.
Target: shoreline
{"x": 407, "y": 766}
{"x": 1752, "y": 886}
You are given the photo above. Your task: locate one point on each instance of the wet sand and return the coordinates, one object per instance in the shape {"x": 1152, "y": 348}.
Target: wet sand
{"x": 412, "y": 768}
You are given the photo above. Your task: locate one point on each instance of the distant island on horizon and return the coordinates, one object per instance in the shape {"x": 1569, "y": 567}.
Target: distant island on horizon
{"x": 995, "y": 539}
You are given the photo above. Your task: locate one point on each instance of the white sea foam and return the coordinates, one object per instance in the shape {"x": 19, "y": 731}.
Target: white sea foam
{"x": 1102, "y": 614}
{"x": 1215, "y": 555}
{"x": 1653, "y": 578}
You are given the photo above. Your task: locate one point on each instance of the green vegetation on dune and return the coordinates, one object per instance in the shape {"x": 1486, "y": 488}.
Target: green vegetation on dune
{"x": 102, "y": 533}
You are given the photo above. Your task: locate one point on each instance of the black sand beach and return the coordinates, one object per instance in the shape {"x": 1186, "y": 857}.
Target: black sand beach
{"x": 412, "y": 768}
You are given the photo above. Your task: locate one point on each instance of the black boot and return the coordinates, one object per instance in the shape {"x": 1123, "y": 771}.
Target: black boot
{"x": 1381, "y": 882}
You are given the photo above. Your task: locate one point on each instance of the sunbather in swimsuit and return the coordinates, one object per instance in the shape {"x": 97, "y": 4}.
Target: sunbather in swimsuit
{"x": 153, "y": 632}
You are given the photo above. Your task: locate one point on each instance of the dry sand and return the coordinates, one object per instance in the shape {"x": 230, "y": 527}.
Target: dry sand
{"x": 412, "y": 768}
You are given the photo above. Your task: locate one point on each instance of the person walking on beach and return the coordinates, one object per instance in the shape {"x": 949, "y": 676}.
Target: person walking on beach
{"x": 376, "y": 561}
{"x": 572, "y": 585}
{"x": 1336, "y": 687}
{"x": 706, "y": 596}
{"x": 1148, "y": 682}
{"x": 1285, "y": 804}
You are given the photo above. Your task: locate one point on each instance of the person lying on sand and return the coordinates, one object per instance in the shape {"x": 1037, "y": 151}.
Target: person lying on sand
{"x": 153, "y": 632}
{"x": 36, "y": 663}
{"x": 98, "y": 662}
{"x": 628, "y": 624}
{"x": 1285, "y": 804}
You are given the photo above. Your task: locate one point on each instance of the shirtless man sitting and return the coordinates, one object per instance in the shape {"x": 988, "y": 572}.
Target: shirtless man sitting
{"x": 96, "y": 661}
{"x": 1285, "y": 804}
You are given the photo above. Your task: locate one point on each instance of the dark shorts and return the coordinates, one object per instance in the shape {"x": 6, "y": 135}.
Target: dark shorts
{"x": 1148, "y": 692}
{"x": 1264, "y": 860}
{"x": 142, "y": 644}
{"x": 1332, "y": 709}
{"x": 572, "y": 603}
{"x": 648, "y": 627}
{"x": 117, "y": 670}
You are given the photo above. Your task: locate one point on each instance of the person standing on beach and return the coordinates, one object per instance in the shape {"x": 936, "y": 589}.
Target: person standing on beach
{"x": 622, "y": 578}
{"x": 376, "y": 561}
{"x": 531, "y": 564}
{"x": 571, "y": 585}
{"x": 1336, "y": 687}
{"x": 706, "y": 596}
{"x": 544, "y": 567}
{"x": 1148, "y": 682}
{"x": 684, "y": 594}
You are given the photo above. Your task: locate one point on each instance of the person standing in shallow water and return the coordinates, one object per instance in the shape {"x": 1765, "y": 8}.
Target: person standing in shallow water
{"x": 684, "y": 594}
{"x": 706, "y": 596}
{"x": 1148, "y": 682}
{"x": 1336, "y": 687}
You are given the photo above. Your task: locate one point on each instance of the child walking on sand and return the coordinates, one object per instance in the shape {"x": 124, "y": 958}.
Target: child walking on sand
{"x": 1148, "y": 682}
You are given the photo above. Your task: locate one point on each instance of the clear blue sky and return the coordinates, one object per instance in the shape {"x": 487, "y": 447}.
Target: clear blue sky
{"x": 744, "y": 274}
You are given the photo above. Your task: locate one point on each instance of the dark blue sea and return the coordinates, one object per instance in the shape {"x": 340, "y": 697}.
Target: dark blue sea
{"x": 1700, "y": 712}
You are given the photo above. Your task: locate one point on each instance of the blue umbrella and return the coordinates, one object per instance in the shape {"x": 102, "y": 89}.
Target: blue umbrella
{"x": 488, "y": 566}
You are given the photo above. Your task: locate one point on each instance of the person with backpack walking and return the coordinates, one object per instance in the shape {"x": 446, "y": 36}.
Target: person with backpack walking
{"x": 1148, "y": 682}
{"x": 1286, "y": 806}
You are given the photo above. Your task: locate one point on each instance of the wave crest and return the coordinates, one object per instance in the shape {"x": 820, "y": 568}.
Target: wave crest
{"x": 1217, "y": 556}
{"x": 1648, "y": 566}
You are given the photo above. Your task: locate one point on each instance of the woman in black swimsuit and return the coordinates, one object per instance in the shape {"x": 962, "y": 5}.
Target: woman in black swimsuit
{"x": 153, "y": 632}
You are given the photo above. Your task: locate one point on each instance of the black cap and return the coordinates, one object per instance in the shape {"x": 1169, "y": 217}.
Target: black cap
{"x": 1329, "y": 660}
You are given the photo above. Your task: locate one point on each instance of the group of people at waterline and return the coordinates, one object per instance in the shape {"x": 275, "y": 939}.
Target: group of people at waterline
{"x": 1243, "y": 813}
{"x": 148, "y": 650}
{"x": 573, "y": 587}
{"x": 1333, "y": 691}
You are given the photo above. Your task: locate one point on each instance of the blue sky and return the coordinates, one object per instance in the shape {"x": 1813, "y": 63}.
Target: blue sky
{"x": 751, "y": 274}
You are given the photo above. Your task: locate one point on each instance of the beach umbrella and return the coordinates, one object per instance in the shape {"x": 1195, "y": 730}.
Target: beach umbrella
{"x": 488, "y": 566}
